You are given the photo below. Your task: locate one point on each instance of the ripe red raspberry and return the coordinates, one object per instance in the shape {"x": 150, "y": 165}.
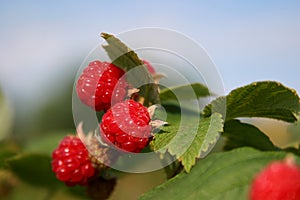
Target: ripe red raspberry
{"x": 149, "y": 67}
{"x": 126, "y": 125}
{"x": 70, "y": 162}
{"x": 280, "y": 180}
{"x": 96, "y": 86}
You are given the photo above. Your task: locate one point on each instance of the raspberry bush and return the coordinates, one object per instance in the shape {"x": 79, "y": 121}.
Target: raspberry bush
{"x": 245, "y": 164}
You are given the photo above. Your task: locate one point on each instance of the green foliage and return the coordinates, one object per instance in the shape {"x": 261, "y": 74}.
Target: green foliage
{"x": 8, "y": 149}
{"x": 45, "y": 144}
{"x": 56, "y": 114}
{"x": 225, "y": 175}
{"x": 239, "y": 134}
{"x": 259, "y": 99}
{"x": 186, "y": 142}
{"x": 199, "y": 89}
{"x": 188, "y": 136}
{"x": 34, "y": 169}
{"x": 207, "y": 135}
{"x": 123, "y": 57}
{"x": 120, "y": 54}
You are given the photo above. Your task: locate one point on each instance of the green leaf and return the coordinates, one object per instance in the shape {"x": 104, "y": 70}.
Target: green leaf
{"x": 239, "y": 134}
{"x": 138, "y": 75}
{"x": 260, "y": 99}
{"x": 119, "y": 53}
{"x": 199, "y": 90}
{"x": 293, "y": 150}
{"x": 8, "y": 149}
{"x": 162, "y": 139}
{"x": 34, "y": 169}
{"x": 220, "y": 176}
{"x": 45, "y": 144}
{"x": 208, "y": 134}
{"x": 187, "y": 142}
{"x": 77, "y": 192}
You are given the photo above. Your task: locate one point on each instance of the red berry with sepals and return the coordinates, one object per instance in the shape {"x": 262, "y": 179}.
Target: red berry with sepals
{"x": 70, "y": 162}
{"x": 100, "y": 84}
{"x": 280, "y": 180}
{"x": 126, "y": 125}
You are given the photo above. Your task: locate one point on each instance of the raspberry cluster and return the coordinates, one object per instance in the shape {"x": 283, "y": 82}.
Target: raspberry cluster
{"x": 125, "y": 124}
{"x": 70, "y": 162}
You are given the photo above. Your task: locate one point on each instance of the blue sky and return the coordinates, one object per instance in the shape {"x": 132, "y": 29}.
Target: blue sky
{"x": 247, "y": 40}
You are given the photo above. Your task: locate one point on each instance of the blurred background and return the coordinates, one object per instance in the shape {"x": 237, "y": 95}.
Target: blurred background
{"x": 42, "y": 44}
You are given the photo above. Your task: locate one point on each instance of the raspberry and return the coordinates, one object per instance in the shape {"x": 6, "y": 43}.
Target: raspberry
{"x": 280, "y": 180}
{"x": 126, "y": 125}
{"x": 70, "y": 162}
{"x": 96, "y": 86}
{"x": 149, "y": 67}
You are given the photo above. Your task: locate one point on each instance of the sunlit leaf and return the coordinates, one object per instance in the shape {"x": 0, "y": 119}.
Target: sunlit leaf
{"x": 125, "y": 58}
{"x": 260, "y": 99}
{"x": 186, "y": 142}
{"x": 239, "y": 134}
{"x": 220, "y": 176}
{"x": 34, "y": 169}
